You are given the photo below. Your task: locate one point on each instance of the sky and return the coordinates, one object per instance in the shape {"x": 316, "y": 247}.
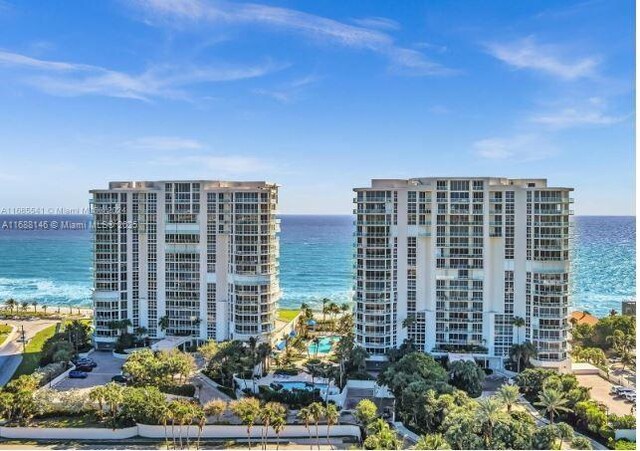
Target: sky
{"x": 317, "y": 96}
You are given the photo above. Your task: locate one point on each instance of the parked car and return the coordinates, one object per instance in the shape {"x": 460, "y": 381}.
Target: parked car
{"x": 86, "y": 362}
{"x": 625, "y": 391}
{"x": 615, "y": 388}
{"x": 84, "y": 368}
{"x": 75, "y": 374}
{"x": 630, "y": 396}
{"x": 119, "y": 378}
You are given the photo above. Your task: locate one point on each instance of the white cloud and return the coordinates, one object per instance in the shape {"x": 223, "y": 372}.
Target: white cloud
{"x": 526, "y": 147}
{"x": 288, "y": 92}
{"x": 312, "y": 26}
{"x": 71, "y": 79}
{"x": 381, "y": 23}
{"x": 217, "y": 164}
{"x": 163, "y": 143}
{"x": 592, "y": 112}
{"x": 550, "y": 59}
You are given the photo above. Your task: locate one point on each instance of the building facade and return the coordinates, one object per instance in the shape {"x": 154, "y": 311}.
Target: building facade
{"x": 629, "y": 307}
{"x": 185, "y": 258}
{"x": 450, "y": 262}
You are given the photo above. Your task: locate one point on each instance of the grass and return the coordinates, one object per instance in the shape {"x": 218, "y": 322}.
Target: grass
{"x": 4, "y": 332}
{"x": 287, "y": 315}
{"x": 33, "y": 350}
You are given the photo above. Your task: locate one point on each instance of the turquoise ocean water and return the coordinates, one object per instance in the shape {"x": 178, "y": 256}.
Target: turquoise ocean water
{"x": 54, "y": 267}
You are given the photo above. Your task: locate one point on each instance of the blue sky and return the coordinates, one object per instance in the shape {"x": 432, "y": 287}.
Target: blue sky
{"x": 319, "y": 96}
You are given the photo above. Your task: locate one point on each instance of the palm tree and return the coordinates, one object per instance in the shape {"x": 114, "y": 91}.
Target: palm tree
{"x": 264, "y": 352}
{"x": 565, "y": 432}
{"x": 266, "y": 414}
{"x": 508, "y": 395}
{"x": 11, "y": 304}
{"x": 201, "y": 418}
{"x": 25, "y": 305}
{"x": 44, "y": 308}
{"x": 325, "y": 310}
{"x": 553, "y": 402}
{"x": 247, "y": 410}
{"x": 216, "y": 408}
{"x": 489, "y": 412}
{"x": 317, "y": 412}
{"x": 278, "y": 424}
{"x": 409, "y": 321}
{"x": 163, "y": 323}
{"x": 332, "y": 416}
{"x": 35, "y": 306}
{"x": 518, "y": 322}
{"x": 522, "y": 353}
{"x": 306, "y": 417}
{"x": 165, "y": 417}
{"x": 345, "y": 307}
{"x": 432, "y": 441}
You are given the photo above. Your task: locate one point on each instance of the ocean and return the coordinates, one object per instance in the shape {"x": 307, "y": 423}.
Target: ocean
{"x": 316, "y": 260}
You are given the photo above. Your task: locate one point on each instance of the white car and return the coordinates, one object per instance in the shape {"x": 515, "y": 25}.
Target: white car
{"x": 625, "y": 391}
{"x": 615, "y": 388}
{"x": 630, "y": 397}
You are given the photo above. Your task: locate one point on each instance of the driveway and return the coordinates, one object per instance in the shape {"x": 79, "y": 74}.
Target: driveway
{"x": 108, "y": 366}
{"x": 11, "y": 351}
{"x": 600, "y": 392}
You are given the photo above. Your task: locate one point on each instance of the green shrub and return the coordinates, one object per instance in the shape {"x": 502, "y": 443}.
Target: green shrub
{"x": 287, "y": 371}
{"x": 625, "y": 444}
{"x": 188, "y": 390}
{"x": 295, "y": 399}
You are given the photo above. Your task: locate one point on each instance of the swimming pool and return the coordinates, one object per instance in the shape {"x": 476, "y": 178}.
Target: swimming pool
{"x": 324, "y": 345}
{"x": 298, "y": 385}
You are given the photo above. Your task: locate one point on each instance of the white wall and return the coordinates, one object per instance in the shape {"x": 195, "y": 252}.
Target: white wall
{"x": 152, "y": 431}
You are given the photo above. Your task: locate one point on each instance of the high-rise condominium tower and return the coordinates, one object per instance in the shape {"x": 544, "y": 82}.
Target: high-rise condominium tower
{"x": 451, "y": 262}
{"x": 186, "y": 258}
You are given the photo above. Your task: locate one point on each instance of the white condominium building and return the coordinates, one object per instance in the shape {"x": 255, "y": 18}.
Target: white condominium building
{"x": 450, "y": 262}
{"x": 186, "y": 258}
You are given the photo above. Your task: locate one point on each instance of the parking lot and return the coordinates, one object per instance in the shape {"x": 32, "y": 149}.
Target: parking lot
{"x": 600, "y": 392}
{"x": 108, "y": 366}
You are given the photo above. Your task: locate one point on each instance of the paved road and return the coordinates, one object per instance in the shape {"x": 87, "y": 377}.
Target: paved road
{"x": 11, "y": 352}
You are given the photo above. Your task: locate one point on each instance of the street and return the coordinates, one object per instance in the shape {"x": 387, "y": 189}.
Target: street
{"x": 11, "y": 352}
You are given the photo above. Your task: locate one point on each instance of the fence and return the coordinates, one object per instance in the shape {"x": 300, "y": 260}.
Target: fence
{"x": 617, "y": 380}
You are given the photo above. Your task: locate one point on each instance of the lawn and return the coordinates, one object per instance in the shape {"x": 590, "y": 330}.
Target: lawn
{"x": 31, "y": 357}
{"x": 4, "y": 332}
{"x": 287, "y": 315}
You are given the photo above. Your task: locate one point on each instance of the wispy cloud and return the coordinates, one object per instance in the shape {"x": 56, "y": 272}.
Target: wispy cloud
{"x": 525, "y": 147}
{"x": 288, "y": 92}
{"x": 550, "y": 59}
{"x": 315, "y": 27}
{"x": 163, "y": 143}
{"x": 381, "y": 23}
{"x": 73, "y": 79}
{"x": 219, "y": 164}
{"x": 592, "y": 112}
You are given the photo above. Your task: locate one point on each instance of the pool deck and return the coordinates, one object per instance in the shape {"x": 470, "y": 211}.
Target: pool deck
{"x": 300, "y": 377}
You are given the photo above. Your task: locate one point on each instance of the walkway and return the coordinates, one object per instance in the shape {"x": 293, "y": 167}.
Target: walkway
{"x": 208, "y": 389}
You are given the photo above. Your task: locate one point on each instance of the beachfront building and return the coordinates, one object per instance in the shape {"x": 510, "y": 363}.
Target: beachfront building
{"x": 185, "y": 258}
{"x": 450, "y": 262}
